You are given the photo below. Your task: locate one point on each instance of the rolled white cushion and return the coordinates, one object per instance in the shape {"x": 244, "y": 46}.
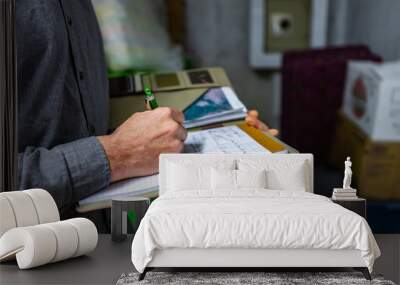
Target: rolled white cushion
{"x": 66, "y": 238}
{"x": 33, "y": 246}
{"x": 251, "y": 178}
{"x": 26, "y": 208}
{"x": 40, "y": 244}
{"x": 23, "y": 208}
{"x": 45, "y": 205}
{"x": 7, "y": 218}
{"x": 87, "y": 235}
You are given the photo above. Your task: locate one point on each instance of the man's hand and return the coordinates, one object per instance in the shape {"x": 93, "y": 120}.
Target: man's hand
{"x": 134, "y": 147}
{"x": 252, "y": 120}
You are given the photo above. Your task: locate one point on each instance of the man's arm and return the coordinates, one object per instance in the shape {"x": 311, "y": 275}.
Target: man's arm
{"x": 77, "y": 169}
{"x": 69, "y": 171}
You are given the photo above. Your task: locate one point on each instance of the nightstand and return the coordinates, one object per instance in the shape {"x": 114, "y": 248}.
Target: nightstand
{"x": 126, "y": 214}
{"x": 357, "y": 205}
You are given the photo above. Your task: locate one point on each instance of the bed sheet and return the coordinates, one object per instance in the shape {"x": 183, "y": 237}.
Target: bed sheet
{"x": 252, "y": 218}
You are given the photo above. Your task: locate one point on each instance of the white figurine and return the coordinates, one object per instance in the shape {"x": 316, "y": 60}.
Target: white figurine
{"x": 347, "y": 192}
{"x": 347, "y": 174}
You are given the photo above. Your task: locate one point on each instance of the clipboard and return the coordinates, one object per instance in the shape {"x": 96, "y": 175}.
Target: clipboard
{"x": 269, "y": 142}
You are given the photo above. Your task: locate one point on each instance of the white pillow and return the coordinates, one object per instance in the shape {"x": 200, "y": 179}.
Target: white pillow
{"x": 188, "y": 176}
{"x": 182, "y": 177}
{"x": 251, "y": 178}
{"x": 292, "y": 179}
{"x": 291, "y": 175}
{"x": 227, "y": 179}
{"x": 223, "y": 179}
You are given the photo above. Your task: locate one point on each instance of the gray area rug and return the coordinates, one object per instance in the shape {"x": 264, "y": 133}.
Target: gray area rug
{"x": 229, "y": 278}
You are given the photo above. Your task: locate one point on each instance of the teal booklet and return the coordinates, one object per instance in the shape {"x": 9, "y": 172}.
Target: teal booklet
{"x": 216, "y": 105}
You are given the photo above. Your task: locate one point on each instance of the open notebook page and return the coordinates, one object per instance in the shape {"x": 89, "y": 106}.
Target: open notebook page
{"x": 230, "y": 139}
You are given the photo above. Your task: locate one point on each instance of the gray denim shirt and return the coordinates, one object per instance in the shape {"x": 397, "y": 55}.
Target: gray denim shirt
{"x": 62, "y": 99}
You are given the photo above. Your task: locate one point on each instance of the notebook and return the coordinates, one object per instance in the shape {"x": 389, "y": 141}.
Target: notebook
{"x": 215, "y": 105}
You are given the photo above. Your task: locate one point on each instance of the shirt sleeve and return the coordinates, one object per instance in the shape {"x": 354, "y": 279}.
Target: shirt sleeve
{"x": 69, "y": 171}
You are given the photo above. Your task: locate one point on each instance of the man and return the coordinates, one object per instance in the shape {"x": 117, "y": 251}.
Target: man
{"x": 63, "y": 108}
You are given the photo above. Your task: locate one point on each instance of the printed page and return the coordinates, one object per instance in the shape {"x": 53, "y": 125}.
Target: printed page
{"x": 230, "y": 139}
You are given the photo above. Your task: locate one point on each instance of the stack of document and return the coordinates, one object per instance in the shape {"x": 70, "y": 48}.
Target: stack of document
{"x": 229, "y": 139}
{"x": 344, "y": 194}
{"x": 216, "y": 105}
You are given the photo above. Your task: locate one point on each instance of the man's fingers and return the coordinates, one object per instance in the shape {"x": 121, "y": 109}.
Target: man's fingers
{"x": 253, "y": 113}
{"x": 177, "y": 116}
{"x": 176, "y": 130}
{"x": 273, "y": 132}
{"x": 263, "y": 127}
{"x": 181, "y": 134}
{"x": 174, "y": 146}
{"x": 252, "y": 122}
{"x": 170, "y": 113}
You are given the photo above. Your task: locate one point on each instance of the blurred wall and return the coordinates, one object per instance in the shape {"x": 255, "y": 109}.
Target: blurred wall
{"x": 377, "y": 24}
{"x": 218, "y": 33}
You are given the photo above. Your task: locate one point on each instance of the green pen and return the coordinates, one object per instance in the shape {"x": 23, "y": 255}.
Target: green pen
{"x": 150, "y": 99}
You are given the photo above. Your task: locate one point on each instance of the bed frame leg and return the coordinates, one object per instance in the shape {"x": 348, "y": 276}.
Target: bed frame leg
{"x": 143, "y": 274}
{"x": 364, "y": 271}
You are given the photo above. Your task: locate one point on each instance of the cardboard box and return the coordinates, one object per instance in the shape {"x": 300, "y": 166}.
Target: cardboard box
{"x": 376, "y": 165}
{"x": 372, "y": 98}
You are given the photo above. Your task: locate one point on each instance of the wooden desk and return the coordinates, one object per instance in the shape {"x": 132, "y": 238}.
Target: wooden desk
{"x": 102, "y": 266}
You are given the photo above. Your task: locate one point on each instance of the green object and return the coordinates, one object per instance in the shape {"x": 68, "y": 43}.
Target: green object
{"x": 132, "y": 217}
{"x": 151, "y": 102}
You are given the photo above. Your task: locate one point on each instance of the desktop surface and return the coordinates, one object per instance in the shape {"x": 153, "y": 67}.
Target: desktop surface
{"x": 102, "y": 266}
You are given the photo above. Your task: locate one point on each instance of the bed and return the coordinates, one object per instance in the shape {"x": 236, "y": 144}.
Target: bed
{"x": 247, "y": 211}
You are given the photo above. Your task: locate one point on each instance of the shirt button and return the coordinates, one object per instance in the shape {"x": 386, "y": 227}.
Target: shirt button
{"x": 81, "y": 75}
{"x": 92, "y": 130}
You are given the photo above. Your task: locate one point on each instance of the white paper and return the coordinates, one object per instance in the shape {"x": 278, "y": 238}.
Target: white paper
{"x": 229, "y": 139}
{"x": 130, "y": 187}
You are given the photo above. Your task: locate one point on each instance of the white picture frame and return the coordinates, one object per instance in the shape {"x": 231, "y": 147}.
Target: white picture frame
{"x": 258, "y": 57}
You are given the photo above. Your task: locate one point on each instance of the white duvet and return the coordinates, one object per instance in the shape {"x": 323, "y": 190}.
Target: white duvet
{"x": 250, "y": 219}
